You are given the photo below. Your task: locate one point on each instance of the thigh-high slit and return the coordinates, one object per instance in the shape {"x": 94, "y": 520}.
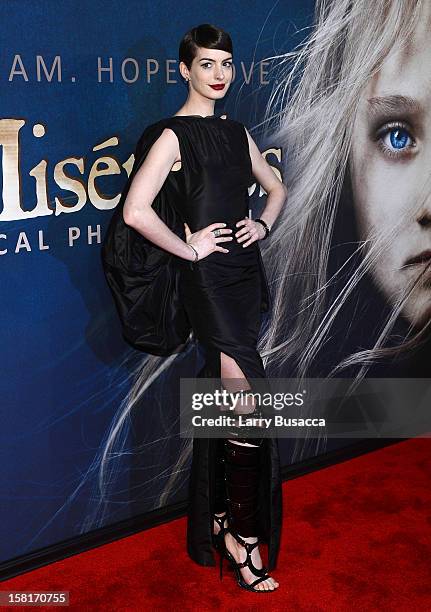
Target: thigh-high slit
{"x": 223, "y": 295}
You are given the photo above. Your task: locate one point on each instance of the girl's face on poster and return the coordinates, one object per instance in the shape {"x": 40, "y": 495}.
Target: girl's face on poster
{"x": 391, "y": 172}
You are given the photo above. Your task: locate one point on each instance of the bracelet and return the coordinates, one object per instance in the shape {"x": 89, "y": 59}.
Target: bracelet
{"x": 195, "y": 252}
{"x": 266, "y": 227}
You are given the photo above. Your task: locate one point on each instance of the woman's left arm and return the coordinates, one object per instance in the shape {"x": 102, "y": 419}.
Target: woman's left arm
{"x": 277, "y": 195}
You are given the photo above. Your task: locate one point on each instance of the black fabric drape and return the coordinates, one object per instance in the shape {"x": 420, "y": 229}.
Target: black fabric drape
{"x": 144, "y": 278}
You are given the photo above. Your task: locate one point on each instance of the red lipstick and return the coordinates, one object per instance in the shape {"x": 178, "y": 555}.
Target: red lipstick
{"x": 218, "y": 87}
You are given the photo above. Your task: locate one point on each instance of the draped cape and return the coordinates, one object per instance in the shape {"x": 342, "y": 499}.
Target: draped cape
{"x": 142, "y": 277}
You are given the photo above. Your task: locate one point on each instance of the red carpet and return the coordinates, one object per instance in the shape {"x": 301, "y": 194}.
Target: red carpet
{"x": 356, "y": 535}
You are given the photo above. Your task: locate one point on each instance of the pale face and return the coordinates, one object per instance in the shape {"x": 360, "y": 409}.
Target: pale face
{"x": 391, "y": 172}
{"x": 210, "y": 67}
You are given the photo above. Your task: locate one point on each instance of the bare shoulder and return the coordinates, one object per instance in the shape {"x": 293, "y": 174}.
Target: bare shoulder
{"x": 261, "y": 169}
{"x": 168, "y": 137}
{"x": 254, "y": 149}
{"x": 249, "y": 138}
{"x": 165, "y": 147}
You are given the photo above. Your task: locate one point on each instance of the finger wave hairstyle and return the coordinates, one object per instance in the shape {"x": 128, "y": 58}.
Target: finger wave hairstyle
{"x": 207, "y": 36}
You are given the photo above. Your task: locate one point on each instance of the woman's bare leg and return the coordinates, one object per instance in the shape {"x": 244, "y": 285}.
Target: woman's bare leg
{"x": 231, "y": 370}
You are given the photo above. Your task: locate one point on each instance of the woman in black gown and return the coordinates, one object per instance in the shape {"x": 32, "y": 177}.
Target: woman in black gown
{"x": 207, "y": 163}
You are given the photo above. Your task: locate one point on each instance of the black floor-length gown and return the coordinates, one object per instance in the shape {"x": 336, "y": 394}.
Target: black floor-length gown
{"x": 224, "y": 295}
{"x": 221, "y": 297}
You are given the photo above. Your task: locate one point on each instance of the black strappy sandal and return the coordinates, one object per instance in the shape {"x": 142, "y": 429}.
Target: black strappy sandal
{"x": 262, "y": 573}
{"x": 218, "y": 538}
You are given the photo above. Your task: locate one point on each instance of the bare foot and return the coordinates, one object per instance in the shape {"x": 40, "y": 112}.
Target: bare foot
{"x": 239, "y": 554}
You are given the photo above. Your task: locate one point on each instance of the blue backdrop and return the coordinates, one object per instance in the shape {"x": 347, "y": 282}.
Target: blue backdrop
{"x": 80, "y": 81}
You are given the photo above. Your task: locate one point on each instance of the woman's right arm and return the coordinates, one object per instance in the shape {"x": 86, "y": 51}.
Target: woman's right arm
{"x": 138, "y": 211}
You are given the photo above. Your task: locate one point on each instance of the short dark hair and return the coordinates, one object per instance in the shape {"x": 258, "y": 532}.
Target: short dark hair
{"x": 206, "y": 36}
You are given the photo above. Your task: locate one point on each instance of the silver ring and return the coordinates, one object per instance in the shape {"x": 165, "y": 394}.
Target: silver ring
{"x": 216, "y": 233}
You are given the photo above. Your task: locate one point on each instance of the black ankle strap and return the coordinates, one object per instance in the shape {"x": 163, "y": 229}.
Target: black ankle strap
{"x": 220, "y": 520}
{"x": 247, "y": 545}
{"x": 263, "y": 571}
